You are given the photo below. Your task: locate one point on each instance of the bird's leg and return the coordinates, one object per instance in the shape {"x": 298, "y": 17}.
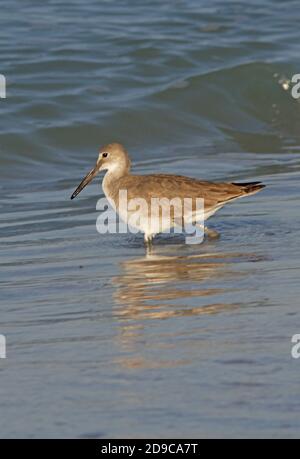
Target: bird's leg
{"x": 148, "y": 241}
{"x": 210, "y": 232}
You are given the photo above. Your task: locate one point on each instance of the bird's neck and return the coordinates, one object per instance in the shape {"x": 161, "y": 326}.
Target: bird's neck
{"x": 111, "y": 179}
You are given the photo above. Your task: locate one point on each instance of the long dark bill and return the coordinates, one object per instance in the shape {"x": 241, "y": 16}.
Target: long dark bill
{"x": 86, "y": 181}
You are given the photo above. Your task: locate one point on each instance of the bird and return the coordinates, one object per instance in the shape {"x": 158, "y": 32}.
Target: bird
{"x": 114, "y": 159}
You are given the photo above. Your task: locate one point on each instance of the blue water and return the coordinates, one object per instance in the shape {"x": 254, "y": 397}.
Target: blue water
{"x": 104, "y": 340}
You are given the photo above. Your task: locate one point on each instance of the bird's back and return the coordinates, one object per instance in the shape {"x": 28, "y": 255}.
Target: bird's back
{"x": 177, "y": 186}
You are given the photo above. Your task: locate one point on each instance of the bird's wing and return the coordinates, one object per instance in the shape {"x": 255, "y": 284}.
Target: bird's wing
{"x": 172, "y": 186}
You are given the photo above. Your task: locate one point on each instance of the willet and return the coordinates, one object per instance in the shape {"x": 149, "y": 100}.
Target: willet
{"x": 114, "y": 159}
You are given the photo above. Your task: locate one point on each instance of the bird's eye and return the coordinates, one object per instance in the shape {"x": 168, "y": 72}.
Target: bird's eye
{"x": 104, "y": 155}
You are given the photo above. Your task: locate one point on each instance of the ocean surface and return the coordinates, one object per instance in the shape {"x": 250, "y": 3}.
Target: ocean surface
{"x": 104, "y": 339}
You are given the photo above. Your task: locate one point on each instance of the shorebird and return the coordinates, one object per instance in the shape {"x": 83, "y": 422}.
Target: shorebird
{"x": 114, "y": 159}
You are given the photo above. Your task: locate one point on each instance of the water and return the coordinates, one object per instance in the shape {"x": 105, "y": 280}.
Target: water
{"x": 102, "y": 339}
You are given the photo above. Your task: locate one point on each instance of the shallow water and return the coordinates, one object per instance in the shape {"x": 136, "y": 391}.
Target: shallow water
{"x": 103, "y": 339}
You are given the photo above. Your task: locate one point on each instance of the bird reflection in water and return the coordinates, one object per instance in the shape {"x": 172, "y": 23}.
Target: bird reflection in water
{"x": 148, "y": 284}
{"x": 160, "y": 286}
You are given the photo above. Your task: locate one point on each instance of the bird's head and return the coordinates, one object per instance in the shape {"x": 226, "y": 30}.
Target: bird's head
{"x": 112, "y": 158}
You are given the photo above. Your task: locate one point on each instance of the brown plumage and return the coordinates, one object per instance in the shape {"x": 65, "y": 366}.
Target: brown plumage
{"x": 114, "y": 158}
{"x": 154, "y": 185}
